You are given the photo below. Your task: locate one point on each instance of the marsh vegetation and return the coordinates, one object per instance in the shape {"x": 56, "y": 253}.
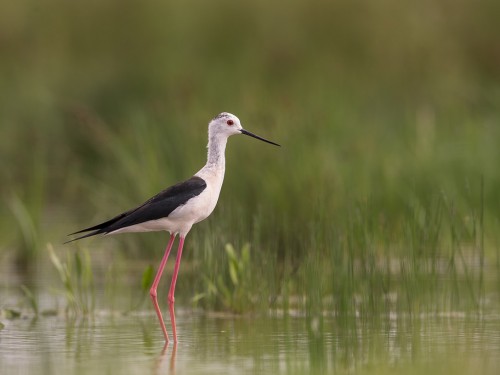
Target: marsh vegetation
{"x": 383, "y": 201}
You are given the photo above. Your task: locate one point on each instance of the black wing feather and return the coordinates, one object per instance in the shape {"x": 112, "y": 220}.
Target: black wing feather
{"x": 157, "y": 207}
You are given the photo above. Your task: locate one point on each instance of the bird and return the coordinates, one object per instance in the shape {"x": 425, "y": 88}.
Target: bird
{"x": 177, "y": 208}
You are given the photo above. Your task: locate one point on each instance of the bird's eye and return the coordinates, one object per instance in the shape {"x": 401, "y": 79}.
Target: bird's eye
{"x": 230, "y": 122}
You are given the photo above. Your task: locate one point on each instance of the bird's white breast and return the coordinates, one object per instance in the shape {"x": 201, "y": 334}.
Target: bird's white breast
{"x": 209, "y": 197}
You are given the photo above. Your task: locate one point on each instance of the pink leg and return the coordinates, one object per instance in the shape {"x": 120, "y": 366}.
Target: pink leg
{"x": 171, "y": 299}
{"x": 152, "y": 291}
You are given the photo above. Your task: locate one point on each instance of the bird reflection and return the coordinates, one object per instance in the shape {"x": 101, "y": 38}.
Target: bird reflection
{"x": 162, "y": 358}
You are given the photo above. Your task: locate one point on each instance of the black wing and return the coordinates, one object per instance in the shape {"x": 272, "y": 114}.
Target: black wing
{"x": 157, "y": 207}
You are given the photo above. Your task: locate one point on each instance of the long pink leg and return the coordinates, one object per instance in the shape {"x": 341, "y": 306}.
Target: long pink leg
{"x": 152, "y": 291}
{"x": 171, "y": 299}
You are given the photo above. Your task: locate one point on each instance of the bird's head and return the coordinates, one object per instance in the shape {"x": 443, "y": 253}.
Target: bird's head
{"x": 226, "y": 124}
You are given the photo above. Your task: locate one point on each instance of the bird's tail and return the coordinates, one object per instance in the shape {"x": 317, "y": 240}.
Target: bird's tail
{"x": 99, "y": 231}
{"x": 101, "y": 228}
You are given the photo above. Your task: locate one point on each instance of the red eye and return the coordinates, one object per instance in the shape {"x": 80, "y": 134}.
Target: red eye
{"x": 230, "y": 122}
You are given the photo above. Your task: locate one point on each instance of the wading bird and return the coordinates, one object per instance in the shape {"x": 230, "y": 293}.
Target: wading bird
{"x": 178, "y": 207}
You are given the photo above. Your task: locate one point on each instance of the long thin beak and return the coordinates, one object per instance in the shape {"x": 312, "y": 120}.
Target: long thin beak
{"x": 243, "y": 131}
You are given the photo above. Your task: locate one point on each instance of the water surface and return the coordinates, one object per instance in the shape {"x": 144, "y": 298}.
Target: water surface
{"x": 113, "y": 343}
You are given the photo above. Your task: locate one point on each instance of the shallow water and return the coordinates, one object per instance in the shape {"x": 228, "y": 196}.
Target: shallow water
{"x": 215, "y": 344}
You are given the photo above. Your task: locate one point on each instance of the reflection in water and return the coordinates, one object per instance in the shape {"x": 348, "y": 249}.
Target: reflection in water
{"x": 162, "y": 358}
{"x": 117, "y": 344}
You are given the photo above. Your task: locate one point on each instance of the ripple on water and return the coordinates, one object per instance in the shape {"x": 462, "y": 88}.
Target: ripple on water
{"x": 131, "y": 344}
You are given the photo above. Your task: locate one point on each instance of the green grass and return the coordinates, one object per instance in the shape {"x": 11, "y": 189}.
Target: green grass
{"x": 77, "y": 279}
{"x": 387, "y": 183}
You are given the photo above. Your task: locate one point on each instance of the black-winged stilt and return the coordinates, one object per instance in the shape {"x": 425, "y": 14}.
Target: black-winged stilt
{"x": 178, "y": 207}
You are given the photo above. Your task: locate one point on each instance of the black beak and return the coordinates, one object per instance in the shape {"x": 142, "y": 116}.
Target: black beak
{"x": 243, "y": 131}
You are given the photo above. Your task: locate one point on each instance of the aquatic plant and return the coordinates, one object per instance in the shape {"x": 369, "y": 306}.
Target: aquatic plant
{"x": 231, "y": 290}
{"x": 31, "y": 298}
{"x": 77, "y": 278}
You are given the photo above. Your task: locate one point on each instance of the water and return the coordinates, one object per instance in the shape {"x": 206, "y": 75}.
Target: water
{"x": 113, "y": 343}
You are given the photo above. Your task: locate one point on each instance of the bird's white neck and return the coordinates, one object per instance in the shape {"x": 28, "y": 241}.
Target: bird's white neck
{"x": 213, "y": 171}
{"x": 216, "y": 161}
{"x": 216, "y": 152}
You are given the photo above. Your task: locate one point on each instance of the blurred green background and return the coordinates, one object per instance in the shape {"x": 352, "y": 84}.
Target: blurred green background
{"x": 388, "y": 113}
